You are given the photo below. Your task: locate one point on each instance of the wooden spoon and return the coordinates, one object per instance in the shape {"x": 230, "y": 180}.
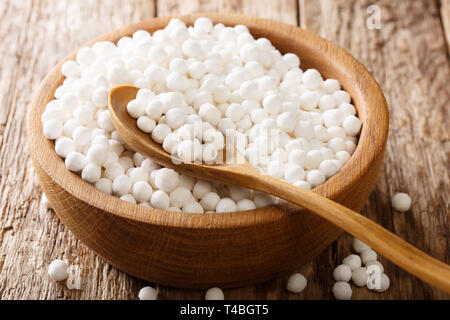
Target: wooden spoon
{"x": 381, "y": 240}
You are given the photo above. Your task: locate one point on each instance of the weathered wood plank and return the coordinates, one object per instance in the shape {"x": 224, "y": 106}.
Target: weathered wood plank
{"x": 35, "y": 35}
{"x": 445, "y": 18}
{"x": 282, "y": 10}
{"x": 408, "y": 57}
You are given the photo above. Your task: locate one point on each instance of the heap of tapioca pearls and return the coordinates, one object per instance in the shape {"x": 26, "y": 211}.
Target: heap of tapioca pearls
{"x": 212, "y": 73}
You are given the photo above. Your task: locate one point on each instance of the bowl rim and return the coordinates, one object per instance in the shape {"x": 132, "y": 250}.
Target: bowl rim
{"x": 365, "y": 92}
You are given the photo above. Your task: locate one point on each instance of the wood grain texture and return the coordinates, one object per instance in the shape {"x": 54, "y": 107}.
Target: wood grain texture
{"x": 445, "y": 17}
{"x": 408, "y": 57}
{"x": 281, "y": 10}
{"x": 30, "y": 237}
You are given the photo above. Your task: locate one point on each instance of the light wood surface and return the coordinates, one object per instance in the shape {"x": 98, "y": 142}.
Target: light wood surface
{"x": 416, "y": 161}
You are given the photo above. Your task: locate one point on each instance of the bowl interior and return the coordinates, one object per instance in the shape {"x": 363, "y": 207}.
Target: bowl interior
{"x": 330, "y": 60}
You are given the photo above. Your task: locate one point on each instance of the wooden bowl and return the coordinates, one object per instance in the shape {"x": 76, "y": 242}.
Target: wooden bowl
{"x": 230, "y": 249}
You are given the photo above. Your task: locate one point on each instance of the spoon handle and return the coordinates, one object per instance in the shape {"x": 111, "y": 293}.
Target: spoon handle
{"x": 381, "y": 240}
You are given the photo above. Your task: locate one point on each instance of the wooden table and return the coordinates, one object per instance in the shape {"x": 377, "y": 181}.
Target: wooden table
{"x": 408, "y": 55}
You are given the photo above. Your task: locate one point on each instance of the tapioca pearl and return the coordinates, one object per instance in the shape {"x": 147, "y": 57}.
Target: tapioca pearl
{"x": 104, "y": 185}
{"x": 70, "y": 69}
{"x": 258, "y": 115}
{"x": 264, "y": 145}
{"x": 186, "y": 182}
{"x": 287, "y": 121}
{"x": 75, "y": 161}
{"x": 117, "y": 74}
{"x": 235, "y": 112}
{"x": 342, "y": 290}
{"x": 313, "y": 159}
{"x": 193, "y": 207}
{"x": 347, "y": 109}
{"x": 291, "y": 61}
{"x": 155, "y": 74}
{"x": 320, "y": 132}
{"x": 353, "y": 261}
{"x": 52, "y": 129}
{"x": 336, "y": 132}
{"x": 154, "y": 109}
{"x": 327, "y": 102}
{"x": 64, "y": 146}
{"x": 91, "y": 173}
{"x": 333, "y": 117}
{"x": 245, "y": 204}
{"x": 98, "y": 153}
{"x": 341, "y": 97}
{"x": 208, "y": 112}
{"x": 209, "y": 153}
{"x": 115, "y": 146}
{"x": 351, "y": 125}
{"x": 176, "y": 81}
{"x": 312, "y": 79}
{"x": 359, "y": 246}
{"x": 275, "y": 169}
{"x": 304, "y": 129}
{"x": 368, "y": 255}
{"x": 192, "y": 49}
{"x": 342, "y": 156}
{"x": 254, "y": 69}
{"x": 238, "y": 193}
{"x": 146, "y": 124}
{"x": 190, "y": 150}
{"x": 201, "y": 188}
{"x": 136, "y": 108}
{"x": 160, "y": 200}
{"x": 263, "y": 199}
{"x": 179, "y": 34}
{"x": 302, "y": 184}
{"x": 157, "y": 55}
{"x": 350, "y": 146}
{"x": 221, "y": 93}
{"x": 171, "y": 142}
{"x": 315, "y": 177}
{"x": 280, "y": 154}
{"x": 226, "y": 205}
{"x": 401, "y": 202}
{"x": 167, "y": 179}
{"x": 244, "y": 124}
{"x": 336, "y": 144}
{"x": 175, "y": 118}
{"x": 81, "y": 136}
{"x": 328, "y": 168}
{"x": 289, "y": 106}
{"x": 298, "y": 143}
{"x": 114, "y": 170}
{"x": 137, "y": 174}
{"x": 298, "y": 156}
{"x": 294, "y": 173}
{"x": 331, "y": 85}
{"x": 210, "y": 201}
{"x": 126, "y": 162}
{"x": 138, "y": 158}
{"x": 272, "y": 103}
{"x": 267, "y": 83}
{"x": 160, "y": 132}
{"x": 327, "y": 153}
{"x": 100, "y": 96}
